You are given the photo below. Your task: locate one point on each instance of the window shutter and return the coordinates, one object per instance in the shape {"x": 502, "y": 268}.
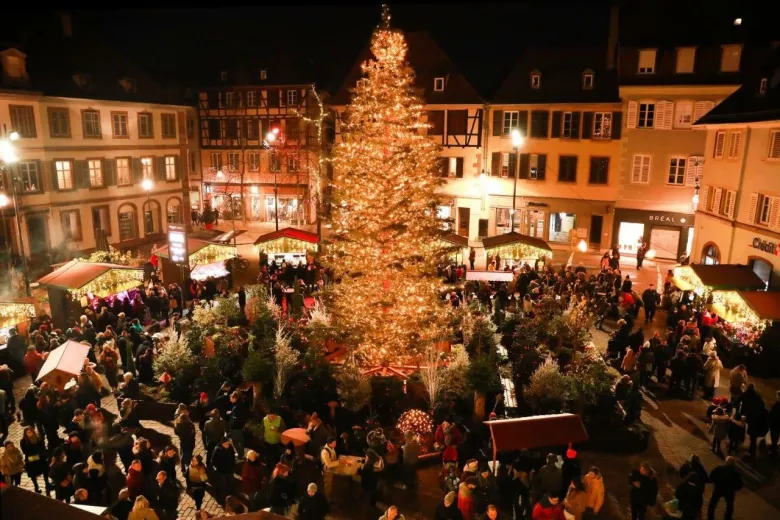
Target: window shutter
{"x": 545, "y": 124}
{"x": 176, "y": 167}
{"x": 542, "y": 166}
{"x": 525, "y": 165}
{"x": 668, "y": 115}
{"x": 575, "y": 125}
{"x": 752, "y": 208}
{"x": 556, "y": 124}
{"x": 159, "y": 168}
{"x": 81, "y": 174}
{"x": 53, "y": 169}
{"x": 774, "y": 145}
{"x": 636, "y": 169}
{"x": 705, "y": 190}
{"x": 735, "y": 144}
{"x": 617, "y": 124}
{"x": 732, "y": 203}
{"x": 39, "y": 165}
{"x": 587, "y": 125}
{"x": 498, "y": 122}
{"x": 512, "y": 165}
{"x": 633, "y": 108}
{"x": 716, "y": 202}
{"x": 496, "y": 164}
{"x": 720, "y": 144}
{"x": 700, "y": 109}
{"x": 522, "y": 122}
{"x": 109, "y": 172}
{"x": 774, "y": 207}
{"x": 691, "y": 169}
{"x": 659, "y": 123}
{"x": 646, "y": 167}
{"x": 137, "y": 174}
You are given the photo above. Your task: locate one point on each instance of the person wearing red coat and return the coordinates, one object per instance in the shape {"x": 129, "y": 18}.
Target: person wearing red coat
{"x": 135, "y": 480}
{"x": 548, "y": 508}
{"x": 251, "y": 474}
{"x": 33, "y": 361}
{"x": 448, "y": 429}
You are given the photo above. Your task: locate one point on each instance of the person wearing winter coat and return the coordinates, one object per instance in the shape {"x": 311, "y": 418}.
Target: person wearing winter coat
{"x": 223, "y": 462}
{"x": 136, "y": 484}
{"x": 196, "y": 478}
{"x": 644, "y": 490}
{"x": 60, "y": 475}
{"x": 726, "y": 482}
{"x": 251, "y": 474}
{"x": 548, "y": 478}
{"x": 689, "y": 494}
{"x": 594, "y": 487}
{"x": 719, "y": 428}
{"x": 712, "y": 368}
{"x": 34, "y": 458}
{"x": 185, "y": 430}
{"x": 166, "y": 494}
{"x": 313, "y": 505}
{"x": 737, "y": 429}
{"x": 142, "y": 511}
{"x": 576, "y": 499}
{"x": 548, "y": 508}
{"x": 466, "y": 497}
{"x": 448, "y": 509}
{"x": 392, "y": 514}
{"x": 774, "y": 425}
{"x": 12, "y": 464}
{"x": 213, "y": 432}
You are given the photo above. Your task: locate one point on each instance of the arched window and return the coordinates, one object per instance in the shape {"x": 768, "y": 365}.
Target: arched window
{"x": 152, "y": 217}
{"x": 710, "y": 255}
{"x": 173, "y": 211}
{"x": 128, "y": 221}
{"x": 763, "y": 269}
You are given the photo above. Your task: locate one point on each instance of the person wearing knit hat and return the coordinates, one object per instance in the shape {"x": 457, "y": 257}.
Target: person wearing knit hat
{"x": 448, "y": 508}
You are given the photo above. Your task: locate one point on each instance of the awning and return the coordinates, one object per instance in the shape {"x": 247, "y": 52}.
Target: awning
{"x": 80, "y": 277}
{"x": 64, "y": 363}
{"x": 747, "y": 307}
{"x": 516, "y": 245}
{"x": 490, "y": 276}
{"x": 287, "y": 240}
{"x": 206, "y": 271}
{"x": 193, "y": 246}
{"x": 537, "y": 431}
{"x": 699, "y": 277}
{"x": 202, "y": 252}
{"x": 228, "y": 237}
{"x": 766, "y": 304}
{"x": 456, "y": 240}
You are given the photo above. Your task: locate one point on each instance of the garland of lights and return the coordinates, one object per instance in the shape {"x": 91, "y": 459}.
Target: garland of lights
{"x": 519, "y": 252}
{"x": 740, "y": 312}
{"x": 211, "y": 254}
{"x": 14, "y": 313}
{"x": 111, "y": 282}
{"x": 415, "y": 421}
{"x": 687, "y": 275}
{"x": 285, "y": 245}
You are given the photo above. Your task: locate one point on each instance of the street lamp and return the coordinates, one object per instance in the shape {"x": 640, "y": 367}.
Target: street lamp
{"x": 270, "y": 138}
{"x": 695, "y": 198}
{"x": 8, "y": 156}
{"x": 517, "y": 142}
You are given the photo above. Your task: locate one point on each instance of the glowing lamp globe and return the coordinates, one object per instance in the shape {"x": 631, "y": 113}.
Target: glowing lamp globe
{"x": 415, "y": 421}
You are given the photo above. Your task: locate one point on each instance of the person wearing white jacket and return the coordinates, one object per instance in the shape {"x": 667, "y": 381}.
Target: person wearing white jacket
{"x": 712, "y": 368}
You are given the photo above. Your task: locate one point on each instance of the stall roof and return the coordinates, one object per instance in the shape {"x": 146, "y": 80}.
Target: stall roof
{"x": 457, "y": 240}
{"x": 514, "y": 238}
{"x": 289, "y": 232}
{"x": 229, "y": 236}
{"x": 537, "y": 431}
{"x": 68, "y": 358}
{"x": 764, "y": 303}
{"x": 20, "y": 504}
{"x": 76, "y": 274}
{"x": 193, "y": 246}
{"x": 728, "y": 276}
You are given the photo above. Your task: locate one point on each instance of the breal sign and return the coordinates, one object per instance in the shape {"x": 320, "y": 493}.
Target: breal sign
{"x": 766, "y": 247}
{"x": 177, "y": 245}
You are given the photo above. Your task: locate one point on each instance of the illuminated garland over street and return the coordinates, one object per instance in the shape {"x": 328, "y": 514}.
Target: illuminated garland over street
{"x": 519, "y": 252}
{"x": 112, "y": 282}
{"x": 13, "y": 313}
{"x": 210, "y": 254}
{"x": 285, "y": 245}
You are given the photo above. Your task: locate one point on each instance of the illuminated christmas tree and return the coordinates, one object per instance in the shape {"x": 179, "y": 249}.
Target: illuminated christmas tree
{"x": 384, "y": 242}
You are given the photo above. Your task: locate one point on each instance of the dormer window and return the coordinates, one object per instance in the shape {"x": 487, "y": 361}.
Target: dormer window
{"x": 438, "y": 84}
{"x": 587, "y": 80}
{"x": 14, "y": 65}
{"x": 536, "y": 79}
{"x": 762, "y": 86}
{"x": 83, "y": 80}
{"x": 263, "y": 74}
{"x": 128, "y": 84}
{"x": 223, "y": 75}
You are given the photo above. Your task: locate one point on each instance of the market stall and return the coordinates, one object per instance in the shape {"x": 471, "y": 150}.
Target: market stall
{"x": 457, "y": 248}
{"x": 517, "y": 247}
{"x": 289, "y": 244}
{"x": 205, "y": 259}
{"x": 63, "y": 364}
{"x": 79, "y": 283}
{"x": 701, "y": 280}
{"x": 15, "y": 312}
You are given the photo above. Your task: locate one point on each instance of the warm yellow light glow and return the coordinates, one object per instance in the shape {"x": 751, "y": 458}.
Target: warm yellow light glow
{"x": 210, "y": 254}
{"x": 112, "y": 282}
{"x": 582, "y": 246}
{"x": 147, "y": 184}
{"x": 14, "y": 313}
{"x": 517, "y": 138}
{"x": 13, "y": 136}
{"x": 8, "y": 152}
{"x": 4, "y": 200}
{"x": 650, "y": 254}
{"x": 271, "y": 136}
{"x": 285, "y": 245}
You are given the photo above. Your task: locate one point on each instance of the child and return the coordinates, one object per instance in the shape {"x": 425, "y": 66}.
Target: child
{"x": 736, "y": 433}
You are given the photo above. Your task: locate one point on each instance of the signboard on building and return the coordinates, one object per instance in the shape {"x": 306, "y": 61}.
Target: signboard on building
{"x": 177, "y": 245}
{"x": 766, "y": 246}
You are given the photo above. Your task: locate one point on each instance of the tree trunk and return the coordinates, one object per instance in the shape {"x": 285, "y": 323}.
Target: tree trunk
{"x": 479, "y": 405}
{"x": 258, "y": 404}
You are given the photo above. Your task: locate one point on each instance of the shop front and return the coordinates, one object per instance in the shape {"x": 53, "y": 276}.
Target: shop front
{"x": 669, "y": 235}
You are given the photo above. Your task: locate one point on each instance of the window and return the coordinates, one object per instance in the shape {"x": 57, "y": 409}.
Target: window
{"x": 274, "y": 163}
{"x": 214, "y": 128}
{"x": 455, "y": 166}
{"x": 123, "y": 171}
{"x": 191, "y": 163}
{"x": 145, "y": 126}
{"x": 711, "y": 255}
{"x": 735, "y": 143}
{"x": 567, "y": 168}
{"x": 170, "y": 168}
{"x": 438, "y": 84}
{"x": 587, "y": 80}
{"x": 233, "y": 161}
{"x": 23, "y": 120}
{"x": 190, "y": 128}
{"x": 292, "y": 98}
{"x": 774, "y": 144}
{"x": 536, "y": 80}
{"x": 173, "y": 212}
{"x": 640, "y": 169}
{"x": 230, "y": 99}
{"x": 537, "y": 166}
{"x": 602, "y": 125}
{"x": 231, "y": 128}
{"x": 436, "y": 120}
{"x": 168, "y": 125}
{"x": 147, "y": 167}
{"x": 95, "y": 167}
{"x": 683, "y": 114}
{"x": 686, "y": 56}
{"x": 720, "y": 145}
{"x": 457, "y": 122}
{"x": 91, "y": 119}
{"x": 539, "y": 123}
{"x": 29, "y": 177}
{"x": 223, "y": 75}
{"x": 599, "y": 170}
{"x": 727, "y": 206}
{"x": 127, "y": 223}
{"x": 253, "y": 159}
{"x": 151, "y": 217}
{"x": 71, "y": 225}
{"x": 511, "y": 121}
{"x": 293, "y": 163}
{"x": 216, "y": 160}
{"x": 647, "y": 61}
{"x": 568, "y": 129}
{"x": 251, "y": 98}
{"x": 101, "y": 220}
{"x": 119, "y": 124}
{"x": 764, "y": 209}
{"x": 505, "y": 165}
{"x": 64, "y": 171}
{"x": 677, "y": 171}
{"x": 762, "y": 86}
{"x": 646, "y": 115}
{"x": 263, "y": 74}
{"x": 59, "y": 122}
{"x": 730, "y": 57}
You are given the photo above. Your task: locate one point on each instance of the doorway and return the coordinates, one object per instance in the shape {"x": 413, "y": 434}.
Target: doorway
{"x": 36, "y": 231}
{"x": 483, "y": 228}
{"x": 596, "y": 225}
{"x": 464, "y": 221}
{"x": 535, "y": 223}
{"x": 665, "y": 241}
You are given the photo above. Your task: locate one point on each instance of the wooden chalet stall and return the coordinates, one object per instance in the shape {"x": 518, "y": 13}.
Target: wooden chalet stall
{"x": 288, "y": 244}
{"x": 63, "y": 364}
{"x": 701, "y": 280}
{"x": 84, "y": 282}
{"x": 15, "y": 312}
{"x": 517, "y": 247}
{"x": 206, "y": 259}
{"x": 457, "y": 246}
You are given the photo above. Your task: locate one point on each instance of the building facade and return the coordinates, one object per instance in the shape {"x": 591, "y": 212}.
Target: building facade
{"x": 738, "y": 218}
{"x": 83, "y": 158}
{"x": 244, "y": 174}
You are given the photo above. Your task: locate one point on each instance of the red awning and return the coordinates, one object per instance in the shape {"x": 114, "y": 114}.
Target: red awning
{"x": 537, "y": 431}
{"x": 289, "y": 232}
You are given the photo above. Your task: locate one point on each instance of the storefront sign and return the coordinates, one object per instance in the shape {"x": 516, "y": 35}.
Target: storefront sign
{"x": 177, "y": 244}
{"x": 766, "y": 247}
{"x": 662, "y": 218}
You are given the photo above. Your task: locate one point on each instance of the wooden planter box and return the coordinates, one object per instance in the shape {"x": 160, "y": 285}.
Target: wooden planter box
{"x": 150, "y": 410}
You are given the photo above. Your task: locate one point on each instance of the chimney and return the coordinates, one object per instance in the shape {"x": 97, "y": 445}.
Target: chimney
{"x": 67, "y": 25}
{"x": 612, "y": 42}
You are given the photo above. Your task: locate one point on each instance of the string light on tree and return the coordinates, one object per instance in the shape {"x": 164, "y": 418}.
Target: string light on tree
{"x": 415, "y": 421}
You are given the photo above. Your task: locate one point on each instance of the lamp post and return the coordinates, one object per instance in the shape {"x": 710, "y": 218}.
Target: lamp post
{"x": 9, "y": 157}
{"x": 695, "y": 198}
{"x": 147, "y": 185}
{"x": 270, "y": 138}
{"x": 517, "y": 142}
